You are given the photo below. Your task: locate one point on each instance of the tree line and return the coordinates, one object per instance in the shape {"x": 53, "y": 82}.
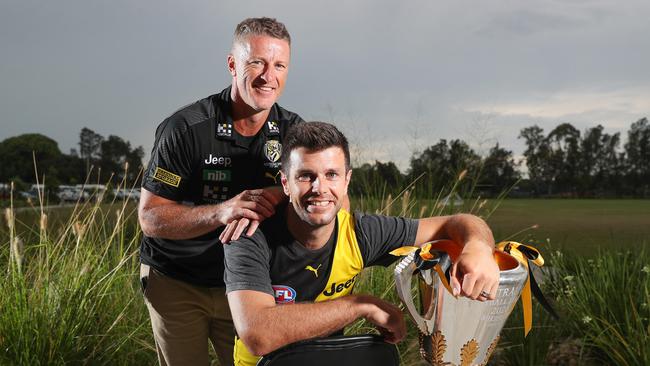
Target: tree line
{"x": 97, "y": 160}
{"x": 561, "y": 163}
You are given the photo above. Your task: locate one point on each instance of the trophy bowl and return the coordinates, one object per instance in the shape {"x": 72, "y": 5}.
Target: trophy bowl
{"x": 456, "y": 331}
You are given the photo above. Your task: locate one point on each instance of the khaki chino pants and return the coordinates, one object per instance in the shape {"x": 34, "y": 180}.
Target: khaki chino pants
{"x": 184, "y": 317}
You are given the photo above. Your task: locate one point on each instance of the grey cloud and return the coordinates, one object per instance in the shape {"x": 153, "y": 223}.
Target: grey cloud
{"x": 385, "y": 71}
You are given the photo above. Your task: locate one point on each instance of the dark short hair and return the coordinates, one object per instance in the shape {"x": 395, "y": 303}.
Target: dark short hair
{"x": 261, "y": 27}
{"x": 314, "y": 136}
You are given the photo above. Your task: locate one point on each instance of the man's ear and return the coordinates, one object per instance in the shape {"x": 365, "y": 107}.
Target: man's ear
{"x": 231, "y": 64}
{"x": 348, "y": 177}
{"x": 285, "y": 184}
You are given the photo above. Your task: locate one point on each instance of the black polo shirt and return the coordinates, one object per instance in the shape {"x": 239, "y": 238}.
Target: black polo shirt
{"x": 199, "y": 158}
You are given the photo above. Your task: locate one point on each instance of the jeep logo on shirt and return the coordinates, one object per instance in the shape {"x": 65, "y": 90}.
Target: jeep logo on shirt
{"x": 339, "y": 287}
{"x": 218, "y": 160}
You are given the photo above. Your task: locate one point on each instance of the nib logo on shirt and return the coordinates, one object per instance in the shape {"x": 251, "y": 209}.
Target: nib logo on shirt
{"x": 217, "y": 175}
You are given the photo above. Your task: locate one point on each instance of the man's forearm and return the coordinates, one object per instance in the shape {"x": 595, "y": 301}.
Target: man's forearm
{"x": 470, "y": 230}
{"x": 178, "y": 221}
{"x": 269, "y": 328}
{"x": 163, "y": 218}
{"x": 464, "y": 229}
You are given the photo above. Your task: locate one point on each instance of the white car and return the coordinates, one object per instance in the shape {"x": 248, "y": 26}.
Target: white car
{"x": 72, "y": 195}
{"x": 132, "y": 194}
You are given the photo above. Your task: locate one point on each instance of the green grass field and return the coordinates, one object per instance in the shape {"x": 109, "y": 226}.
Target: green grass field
{"x": 580, "y": 225}
{"x": 577, "y": 225}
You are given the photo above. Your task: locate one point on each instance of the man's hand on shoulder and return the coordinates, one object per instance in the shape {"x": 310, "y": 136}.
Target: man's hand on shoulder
{"x": 245, "y": 211}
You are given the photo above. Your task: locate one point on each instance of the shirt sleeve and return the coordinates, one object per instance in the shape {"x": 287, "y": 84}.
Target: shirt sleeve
{"x": 170, "y": 167}
{"x": 247, "y": 264}
{"x": 377, "y": 235}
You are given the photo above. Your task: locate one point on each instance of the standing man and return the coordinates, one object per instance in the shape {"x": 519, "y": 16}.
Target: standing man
{"x": 215, "y": 164}
{"x": 292, "y": 280}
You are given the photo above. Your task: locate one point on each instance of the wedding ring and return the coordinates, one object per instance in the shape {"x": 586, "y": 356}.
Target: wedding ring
{"x": 484, "y": 294}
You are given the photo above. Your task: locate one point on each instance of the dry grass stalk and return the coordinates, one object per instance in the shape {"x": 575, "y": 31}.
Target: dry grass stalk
{"x": 423, "y": 210}
{"x": 43, "y": 227}
{"x": 387, "y": 204}
{"x": 462, "y": 175}
{"x": 79, "y": 230}
{"x": 405, "y": 202}
{"x": 17, "y": 252}
{"x": 11, "y": 219}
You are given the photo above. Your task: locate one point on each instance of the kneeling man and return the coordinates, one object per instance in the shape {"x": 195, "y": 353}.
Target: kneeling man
{"x": 292, "y": 279}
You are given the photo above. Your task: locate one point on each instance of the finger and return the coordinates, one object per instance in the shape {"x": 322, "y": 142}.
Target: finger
{"x": 266, "y": 203}
{"x": 262, "y": 197}
{"x": 389, "y": 337}
{"x": 494, "y": 290}
{"x": 275, "y": 195}
{"x": 455, "y": 283}
{"x": 243, "y": 223}
{"x": 227, "y": 232}
{"x": 250, "y": 214}
{"x": 221, "y": 236}
{"x": 252, "y": 227}
{"x": 257, "y": 207}
{"x": 469, "y": 287}
{"x": 401, "y": 334}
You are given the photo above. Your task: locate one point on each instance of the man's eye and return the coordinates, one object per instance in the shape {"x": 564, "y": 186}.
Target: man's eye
{"x": 280, "y": 67}
{"x": 332, "y": 175}
{"x": 304, "y": 177}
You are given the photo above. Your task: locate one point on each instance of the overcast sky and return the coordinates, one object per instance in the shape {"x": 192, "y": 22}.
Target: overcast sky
{"x": 395, "y": 76}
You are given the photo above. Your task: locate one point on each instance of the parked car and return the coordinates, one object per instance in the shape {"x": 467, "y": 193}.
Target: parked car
{"x": 33, "y": 192}
{"x": 132, "y": 194}
{"x": 70, "y": 194}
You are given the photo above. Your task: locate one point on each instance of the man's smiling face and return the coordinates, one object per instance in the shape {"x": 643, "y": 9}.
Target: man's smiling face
{"x": 259, "y": 66}
{"x": 316, "y": 183}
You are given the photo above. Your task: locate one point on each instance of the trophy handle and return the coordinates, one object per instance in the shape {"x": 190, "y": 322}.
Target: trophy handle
{"x": 428, "y": 286}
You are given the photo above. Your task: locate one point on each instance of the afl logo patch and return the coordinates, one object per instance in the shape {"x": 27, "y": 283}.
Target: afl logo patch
{"x": 273, "y": 150}
{"x": 284, "y": 294}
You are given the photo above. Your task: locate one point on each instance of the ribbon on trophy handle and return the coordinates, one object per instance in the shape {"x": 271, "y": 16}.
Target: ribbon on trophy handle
{"x": 457, "y": 330}
{"x": 527, "y": 255}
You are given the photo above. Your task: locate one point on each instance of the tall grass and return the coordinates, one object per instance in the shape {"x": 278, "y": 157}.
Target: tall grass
{"x": 71, "y": 293}
{"x": 606, "y": 300}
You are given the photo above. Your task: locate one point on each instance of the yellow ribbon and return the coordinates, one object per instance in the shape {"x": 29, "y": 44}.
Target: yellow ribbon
{"x": 528, "y": 253}
{"x": 425, "y": 254}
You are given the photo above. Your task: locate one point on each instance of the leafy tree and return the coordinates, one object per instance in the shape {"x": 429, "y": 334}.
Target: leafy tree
{"x": 90, "y": 147}
{"x": 440, "y": 164}
{"x": 115, "y": 153}
{"x": 17, "y": 159}
{"x": 538, "y": 158}
{"x": 600, "y": 166}
{"x": 564, "y": 157}
{"x": 637, "y": 150}
{"x": 377, "y": 180}
{"x": 499, "y": 170}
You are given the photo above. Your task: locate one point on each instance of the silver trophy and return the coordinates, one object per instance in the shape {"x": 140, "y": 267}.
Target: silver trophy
{"x": 456, "y": 331}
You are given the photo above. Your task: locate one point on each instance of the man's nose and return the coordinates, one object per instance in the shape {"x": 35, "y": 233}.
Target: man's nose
{"x": 316, "y": 186}
{"x": 268, "y": 74}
